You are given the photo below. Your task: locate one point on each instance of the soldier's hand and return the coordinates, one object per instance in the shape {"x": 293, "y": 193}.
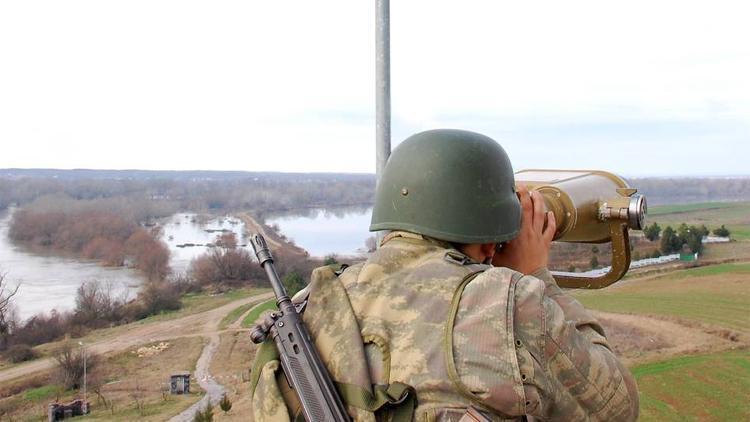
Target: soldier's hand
{"x": 529, "y": 251}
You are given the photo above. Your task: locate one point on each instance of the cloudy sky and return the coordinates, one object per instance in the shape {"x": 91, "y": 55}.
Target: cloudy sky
{"x": 639, "y": 87}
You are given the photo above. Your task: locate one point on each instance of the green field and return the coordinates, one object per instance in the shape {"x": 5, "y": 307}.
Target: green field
{"x": 734, "y": 215}
{"x": 717, "y": 295}
{"x": 250, "y": 318}
{"x": 683, "y": 208}
{"x": 712, "y": 387}
{"x": 236, "y": 313}
{"x": 703, "y": 387}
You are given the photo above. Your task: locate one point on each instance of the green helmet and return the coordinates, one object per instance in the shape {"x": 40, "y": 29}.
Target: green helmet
{"x": 452, "y": 185}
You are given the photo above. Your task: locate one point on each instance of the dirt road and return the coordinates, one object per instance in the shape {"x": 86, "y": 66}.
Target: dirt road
{"x": 200, "y": 324}
{"x": 213, "y": 389}
{"x": 252, "y": 227}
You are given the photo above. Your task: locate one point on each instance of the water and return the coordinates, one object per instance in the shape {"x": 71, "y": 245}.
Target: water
{"x": 181, "y": 229}
{"x": 342, "y": 231}
{"x": 50, "y": 282}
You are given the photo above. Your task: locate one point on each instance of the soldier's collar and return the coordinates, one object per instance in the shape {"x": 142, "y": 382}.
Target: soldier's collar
{"x": 410, "y": 235}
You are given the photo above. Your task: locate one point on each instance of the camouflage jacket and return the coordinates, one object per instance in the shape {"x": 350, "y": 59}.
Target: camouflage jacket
{"x": 462, "y": 334}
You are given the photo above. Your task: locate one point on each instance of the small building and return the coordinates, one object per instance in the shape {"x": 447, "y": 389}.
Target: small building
{"x": 60, "y": 411}
{"x": 179, "y": 383}
{"x": 686, "y": 254}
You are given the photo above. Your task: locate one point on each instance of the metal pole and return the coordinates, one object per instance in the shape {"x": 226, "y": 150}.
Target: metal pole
{"x": 382, "y": 85}
{"x": 85, "y": 406}
{"x": 382, "y": 90}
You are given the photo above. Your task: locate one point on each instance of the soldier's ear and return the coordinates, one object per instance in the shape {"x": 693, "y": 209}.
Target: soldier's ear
{"x": 488, "y": 251}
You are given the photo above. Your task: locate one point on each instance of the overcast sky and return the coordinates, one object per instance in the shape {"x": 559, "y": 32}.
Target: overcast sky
{"x": 638, "y": 87}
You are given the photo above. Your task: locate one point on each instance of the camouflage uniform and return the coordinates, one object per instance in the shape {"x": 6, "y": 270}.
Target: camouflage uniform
{"x": 462, "y": 334}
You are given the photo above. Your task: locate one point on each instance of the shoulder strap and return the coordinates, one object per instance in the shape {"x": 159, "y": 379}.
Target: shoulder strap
{"x": 448, "y": 339}
{"x": 393, "y": 402}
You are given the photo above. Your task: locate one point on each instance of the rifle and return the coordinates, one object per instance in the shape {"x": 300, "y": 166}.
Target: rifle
{"x": 299, "y": 359}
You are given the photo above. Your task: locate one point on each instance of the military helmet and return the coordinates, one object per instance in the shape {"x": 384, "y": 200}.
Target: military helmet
{"x": 449, "y": 184}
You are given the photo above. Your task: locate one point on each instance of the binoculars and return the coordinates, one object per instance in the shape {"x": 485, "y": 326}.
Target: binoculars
{"x": 590, "y": 206}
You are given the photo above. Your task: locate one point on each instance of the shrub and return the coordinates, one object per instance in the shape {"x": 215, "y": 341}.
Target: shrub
{"x": 156, "y": 297}
{"x": 96, "y": 306}
{"x": 225, "y": 263}
{"x": 722, "y": 231}
{"x": 293, "y": 282}
{"x": 42, "y": 328}
{"x": 205, "y": 415}
{"x": 20, "y": 353}
{"x": 225, "y": 404}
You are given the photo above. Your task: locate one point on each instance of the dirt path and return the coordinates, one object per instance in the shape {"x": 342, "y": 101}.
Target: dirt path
{"x": 639, "y": 339}
{"x": 203, "y": 324}
{"x": 252, "y": 226}
{"x": 213, "y": 389}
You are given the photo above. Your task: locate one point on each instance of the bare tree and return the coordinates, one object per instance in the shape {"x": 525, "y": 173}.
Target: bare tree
{"x": 6, "y": 310}
{"x": 71, "y": 362}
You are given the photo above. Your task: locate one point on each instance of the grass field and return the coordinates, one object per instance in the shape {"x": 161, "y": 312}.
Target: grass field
{"x": 735, "y": 215}
{"x": 712, "y": 387}
{"x": 255, "y": 313}
{"x": 236, "y": 313}
{"x": 133, "y": 387}
{"x": 683, "y": 208}
{"x": 706, "y": 387}
{"x": 717, "y": 295}
{"x": 192, "y": 303}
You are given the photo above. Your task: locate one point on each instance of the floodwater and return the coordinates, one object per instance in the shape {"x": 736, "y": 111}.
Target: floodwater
{"x": 50, "y": 282}
{"x": 342, "y": 231}
{"x": 188, "y": 236}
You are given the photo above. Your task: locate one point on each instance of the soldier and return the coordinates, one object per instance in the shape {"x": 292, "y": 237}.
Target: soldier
{"x": 455, "y": 316}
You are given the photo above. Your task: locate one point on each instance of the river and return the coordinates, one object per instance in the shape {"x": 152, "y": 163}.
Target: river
{"x": 342, "y": 231}
{"x": 50, "y": 281}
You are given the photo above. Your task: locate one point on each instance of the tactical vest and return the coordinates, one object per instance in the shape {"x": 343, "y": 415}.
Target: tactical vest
{"x": 415, "y": 317}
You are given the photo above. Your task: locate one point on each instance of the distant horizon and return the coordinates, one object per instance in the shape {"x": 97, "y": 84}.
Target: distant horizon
{"x": 626, "y": 175}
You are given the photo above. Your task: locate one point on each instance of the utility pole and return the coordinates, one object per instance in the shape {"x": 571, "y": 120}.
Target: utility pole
{"x": 382, "y": 85}
{"x": 85, "y": 407}
{"x": 382, "y": 90}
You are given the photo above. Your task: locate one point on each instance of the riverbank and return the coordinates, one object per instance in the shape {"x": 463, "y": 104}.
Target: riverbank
{"x": 49, "y": 281}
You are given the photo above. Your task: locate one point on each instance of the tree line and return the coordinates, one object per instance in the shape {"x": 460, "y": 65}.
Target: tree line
{"x": 683, "y": 190}
{"x": 673, "y": 240}
{"x": 227, "y": 191}
{"x": 103, "y": 235}
{"x": 243, "y": 191}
